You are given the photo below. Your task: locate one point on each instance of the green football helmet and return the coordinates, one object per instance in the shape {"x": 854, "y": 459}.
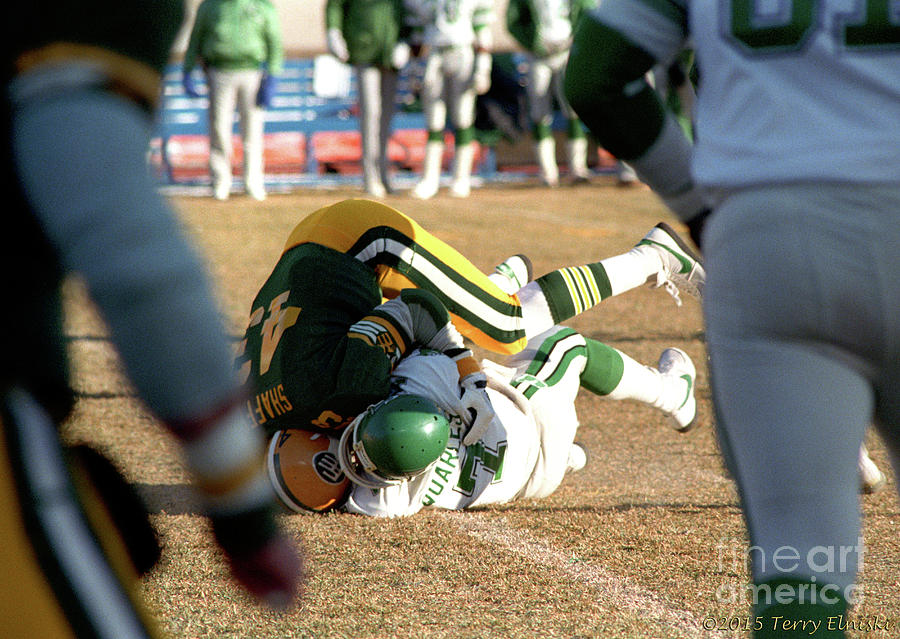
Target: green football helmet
{"x": 393, "y": 441}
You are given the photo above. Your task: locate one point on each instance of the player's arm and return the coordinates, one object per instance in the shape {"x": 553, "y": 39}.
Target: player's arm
{"x": 402, "y": 500}
{"x": 80, "y": 157}
{"x": 614, "y": 47}
{"x": 418, "y": 318}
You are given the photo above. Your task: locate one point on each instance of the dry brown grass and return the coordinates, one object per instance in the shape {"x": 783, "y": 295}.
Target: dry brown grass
{"x": 636, "y": 546}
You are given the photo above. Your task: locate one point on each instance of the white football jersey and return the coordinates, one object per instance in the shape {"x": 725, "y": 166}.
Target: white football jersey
{"x": 553, "y": 18}
{"x": 788, "y": 91}
{"x": 496, "y": 469}
{"x": 451, "y": 23}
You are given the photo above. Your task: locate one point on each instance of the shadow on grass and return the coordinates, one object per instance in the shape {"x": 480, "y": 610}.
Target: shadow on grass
{"x": 680, "y": 507}
{"x": 180, "y": 499}
{"x": 169, "y": 499}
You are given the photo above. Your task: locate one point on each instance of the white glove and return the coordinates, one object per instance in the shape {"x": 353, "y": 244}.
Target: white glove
{"x": 337, "y": 46}
{"x": 400, "y": 55}
{"x": 481, "y": 79}
{"x": 478, "y": 405}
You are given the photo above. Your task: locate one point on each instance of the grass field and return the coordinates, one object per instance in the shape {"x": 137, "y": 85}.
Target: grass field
{"x": 646, "y": 543}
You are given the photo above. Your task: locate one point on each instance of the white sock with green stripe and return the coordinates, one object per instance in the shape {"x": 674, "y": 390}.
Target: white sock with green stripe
{"x": 632, "y": 269}
{"x": 645, "y": 384}
{"x": 572, "y": 290}
{"x": 639, "y": 382}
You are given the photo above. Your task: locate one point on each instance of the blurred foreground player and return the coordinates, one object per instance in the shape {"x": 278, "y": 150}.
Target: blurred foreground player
{"x": 81, "y": 82}
{"x": 796, "y": 156}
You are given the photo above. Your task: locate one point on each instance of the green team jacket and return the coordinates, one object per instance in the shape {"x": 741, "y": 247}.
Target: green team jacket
{"x": 234, "y": 35}
{"x": 371, "y": 28}
{"x": 521, "y": 22}
{"x": 304, "y": 370}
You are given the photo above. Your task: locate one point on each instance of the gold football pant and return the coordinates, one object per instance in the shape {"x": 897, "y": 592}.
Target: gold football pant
{"x": 66, "y": 572}
{"x": 404, "y": 255}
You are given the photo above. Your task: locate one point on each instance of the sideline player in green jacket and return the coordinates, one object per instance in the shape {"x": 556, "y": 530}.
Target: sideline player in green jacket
{"x": 371, "y": 36}
{"x": 238, "y": 44}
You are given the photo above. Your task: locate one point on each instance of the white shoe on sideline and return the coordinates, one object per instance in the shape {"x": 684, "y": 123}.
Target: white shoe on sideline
{"x": 257, "y": 194}
{"x": 460, "y": 188}
{"x": 425, "y": 190}
{"x": 376, "y": 190}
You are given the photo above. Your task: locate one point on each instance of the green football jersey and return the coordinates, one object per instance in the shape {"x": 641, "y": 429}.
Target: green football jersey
{"x": 303, "y": 368}
{"x": 372, "y": 28}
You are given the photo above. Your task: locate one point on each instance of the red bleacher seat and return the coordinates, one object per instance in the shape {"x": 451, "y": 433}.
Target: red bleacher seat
{"x": 187, "y": 156}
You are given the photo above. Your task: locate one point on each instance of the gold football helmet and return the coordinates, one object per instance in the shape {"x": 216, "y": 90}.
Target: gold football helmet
{"x": 305, "y": 472}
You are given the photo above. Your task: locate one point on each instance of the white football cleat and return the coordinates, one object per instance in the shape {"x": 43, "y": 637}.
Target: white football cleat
{"x": 679, "y": 402}
{"x": 376, "y": 190}
{"x": 258, "y": 194}
{"x": 460, "y": 188}
{"x": 578, "y": 458}
{"x": 425, "y": 190}
{"x": 871, "y": 478}
{"x": 221, "y": 192}
{"x": 681, "y": 267}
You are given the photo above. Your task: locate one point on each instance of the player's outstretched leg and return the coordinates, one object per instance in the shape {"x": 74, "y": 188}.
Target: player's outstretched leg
{"x": 564, "y": 357}
{"x": 661, "y": 257}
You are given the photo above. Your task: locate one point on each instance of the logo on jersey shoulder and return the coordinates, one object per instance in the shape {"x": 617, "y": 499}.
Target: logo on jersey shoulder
{"x": 328, "y": 468}
{"x": 378, "y": 331}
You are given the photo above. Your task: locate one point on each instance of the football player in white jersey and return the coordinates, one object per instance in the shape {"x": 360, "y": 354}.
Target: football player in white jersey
{"x": 406, "y": 452}
{"x": 544, "y": 29}
{"x": 457, "y": 37}
{"x": 793, "y": 189}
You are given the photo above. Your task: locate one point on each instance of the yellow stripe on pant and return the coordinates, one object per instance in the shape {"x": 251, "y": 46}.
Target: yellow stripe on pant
{"x": 481, "y": 311}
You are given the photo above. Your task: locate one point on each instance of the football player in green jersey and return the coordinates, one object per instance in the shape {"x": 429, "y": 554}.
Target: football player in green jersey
{"x": 321, "y": 340}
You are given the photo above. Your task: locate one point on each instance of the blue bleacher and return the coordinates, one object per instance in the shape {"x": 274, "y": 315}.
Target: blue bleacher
{"x": 295, "y": 109}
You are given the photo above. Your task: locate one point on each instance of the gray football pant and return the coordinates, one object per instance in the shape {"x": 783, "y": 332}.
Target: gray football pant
{"x": 229, "y": 90}
{"x": 109, "y": 224}
{"x": 803, "y": 330}
{"x": 447, "y": 88}
{"x": 377, "y": 96}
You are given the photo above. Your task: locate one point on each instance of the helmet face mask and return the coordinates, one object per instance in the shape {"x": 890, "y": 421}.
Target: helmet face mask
{"x": 393, "y": 441}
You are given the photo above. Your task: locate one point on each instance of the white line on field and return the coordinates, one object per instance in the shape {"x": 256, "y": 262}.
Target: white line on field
{"x": 613, "y": 589}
